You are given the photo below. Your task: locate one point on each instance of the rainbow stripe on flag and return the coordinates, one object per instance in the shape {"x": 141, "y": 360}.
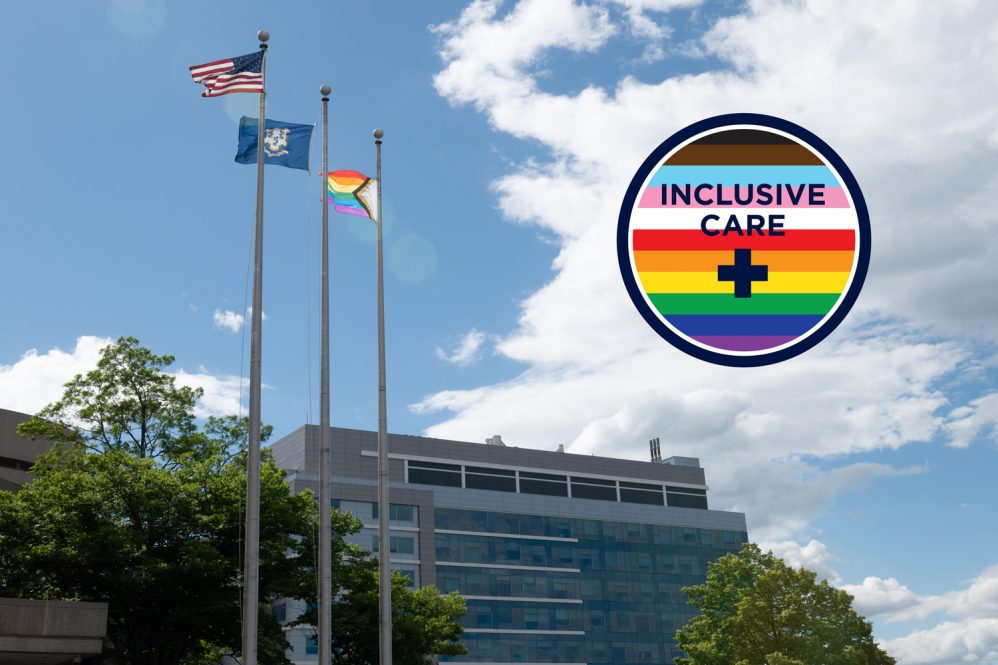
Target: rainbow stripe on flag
{"x": 353, "y": 193}
{"x": 743, "y": 291}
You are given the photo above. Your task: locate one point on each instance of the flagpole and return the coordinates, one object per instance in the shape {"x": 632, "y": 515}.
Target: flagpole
{"x": 325, "y": 535}
{"x": 384, "y": 538}
{"x": 251, "y": 580}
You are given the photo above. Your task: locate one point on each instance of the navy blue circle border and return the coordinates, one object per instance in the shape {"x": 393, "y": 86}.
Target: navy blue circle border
{"x": 652, "y": 162}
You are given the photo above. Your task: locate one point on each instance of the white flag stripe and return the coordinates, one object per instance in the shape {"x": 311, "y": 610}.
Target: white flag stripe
{"x": 231, "y": 81}
{"x": 202, "y": 71}
{"x": 218, "y": 93}
{"x": 793, "y": 218}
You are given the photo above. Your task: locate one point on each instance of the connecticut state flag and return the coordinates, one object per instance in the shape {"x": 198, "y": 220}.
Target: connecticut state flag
{"x": 284, "y": 143}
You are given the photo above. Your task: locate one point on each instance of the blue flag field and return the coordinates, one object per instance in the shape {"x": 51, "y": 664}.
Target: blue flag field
{"x": 284, "y": 143}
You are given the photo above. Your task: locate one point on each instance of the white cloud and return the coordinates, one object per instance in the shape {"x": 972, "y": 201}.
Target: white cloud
{"x": 233, "y": 322}
{"x": 979, "y": 418}
{"x": 973, "y": 637}
{"x": 598, "y": 379}
{"x": 948, "y": 643}
{"x": 229, "y": 320}
{"x": 749, "y": 435}
{"x": 813, "y": 556}
{"x": 481, "y": 48}
{"x": 904, "y": 92}
{"x": 221, "y": 392}
{"x": 37, "y": 380}
{"x": 880, "y": 596}
{"x": 467, "y": 351}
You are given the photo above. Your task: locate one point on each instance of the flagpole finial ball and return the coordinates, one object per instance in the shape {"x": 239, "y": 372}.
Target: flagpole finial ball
{"x": 325, "y": 90}
{"x": 263, "y": 35}
{"x": 378, "y": 133}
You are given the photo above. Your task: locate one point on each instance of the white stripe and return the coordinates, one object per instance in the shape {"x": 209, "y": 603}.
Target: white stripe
{"x": 517, "y": 599}
{"x": 505, "y": 535}
{"x": 201, "y": 70}
{"x": 235, "y": 84}
{"x": 219, "y": 93}
{"x": 690, "y": 218}
{"x": 549, "y": 569}
{"x": 516, "y": 631}
{"x": 220, "y": 89}
{"x": 227, "y": 81}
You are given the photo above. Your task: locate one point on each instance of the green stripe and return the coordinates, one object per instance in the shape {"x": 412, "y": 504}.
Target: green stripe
{"x": 760, "y": 303}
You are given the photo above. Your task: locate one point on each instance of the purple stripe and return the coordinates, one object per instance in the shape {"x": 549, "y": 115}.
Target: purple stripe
{"x": 351, "y": 210}
{"x": 743, "y": 342}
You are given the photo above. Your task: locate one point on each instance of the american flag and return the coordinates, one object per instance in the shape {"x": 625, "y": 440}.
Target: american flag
{"x": 239, "y": 74}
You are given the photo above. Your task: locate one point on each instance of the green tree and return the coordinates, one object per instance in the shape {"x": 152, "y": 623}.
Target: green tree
{"x": 127, "y": 404}
{"x": 162, "y": 546}
{"x": 424, "y": 622}
{"x": 139, "y": 507}
{"x": 756, "y": 610}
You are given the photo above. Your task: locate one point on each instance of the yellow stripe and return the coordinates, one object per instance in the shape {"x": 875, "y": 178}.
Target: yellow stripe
{"x": 779, "y": 282}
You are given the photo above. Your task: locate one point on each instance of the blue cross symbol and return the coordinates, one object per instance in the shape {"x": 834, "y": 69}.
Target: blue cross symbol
{"x": 743, "y": 273}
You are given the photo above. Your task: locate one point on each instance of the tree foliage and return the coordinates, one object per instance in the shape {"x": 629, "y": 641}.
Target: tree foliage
{"x": 140, "y": 506}
{"x": 756, "y": 610}
{"x": 127, "y": 404}
{"x": 424, "y": 622}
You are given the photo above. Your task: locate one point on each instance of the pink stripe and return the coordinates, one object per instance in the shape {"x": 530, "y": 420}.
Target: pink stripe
{"x": 652, "y": 198}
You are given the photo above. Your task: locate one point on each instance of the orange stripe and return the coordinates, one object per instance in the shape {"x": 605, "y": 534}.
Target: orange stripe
{"x": 785, "y": 261}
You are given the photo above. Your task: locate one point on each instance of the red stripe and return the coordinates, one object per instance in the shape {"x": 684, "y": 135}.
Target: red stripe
{"x": 216, "y": 62}
{"x": 226, "y": 78}
{"x": 219, "y": 93}
{"x": 230, "y": 82}
{"x": 652, "y": 239}
{"x": 215, "y": 68}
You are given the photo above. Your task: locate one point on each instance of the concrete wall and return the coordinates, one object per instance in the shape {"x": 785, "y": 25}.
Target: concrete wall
{"x": 14, "y": 448}
{"x": 50, "y": 632}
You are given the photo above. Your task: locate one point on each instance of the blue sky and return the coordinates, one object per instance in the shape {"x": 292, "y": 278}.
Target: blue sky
{"x": 512, "y": 129}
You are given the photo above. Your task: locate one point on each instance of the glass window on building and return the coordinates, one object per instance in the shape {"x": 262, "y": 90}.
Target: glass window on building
{"x": 689, "y": 565}
{"x": 397, "y": 545}
{"x": 503, "y": 585}
{"x": 365, "y": 510}
{"x": 403, "y": 544}
{"x": 312, "y": 645}
{"x": 397, "y": 513}
{"x": 432, "y": 473}
{"x": 484, "y": 478}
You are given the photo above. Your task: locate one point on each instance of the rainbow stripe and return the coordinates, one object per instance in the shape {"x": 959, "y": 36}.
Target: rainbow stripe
{"x": 797, "y": 278}
{"x": 353, "y": 193}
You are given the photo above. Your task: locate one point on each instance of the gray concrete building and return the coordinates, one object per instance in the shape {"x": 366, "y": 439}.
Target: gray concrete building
{"x": 17, "y": 454}
{"x": 41, "y": 632}
{"x": 562, "y": 558}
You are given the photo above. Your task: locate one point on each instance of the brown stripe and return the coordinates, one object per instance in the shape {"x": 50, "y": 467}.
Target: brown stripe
{"x": 744, "y": 155}
{"x": 744, "y": 137}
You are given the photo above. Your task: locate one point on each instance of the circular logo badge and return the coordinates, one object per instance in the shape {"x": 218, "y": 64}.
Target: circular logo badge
{"x": 743, "y": 240}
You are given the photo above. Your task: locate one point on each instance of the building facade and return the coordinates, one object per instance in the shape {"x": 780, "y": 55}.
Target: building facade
{"x": 17, "y": 454}
{"x": 562, "y": 558}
